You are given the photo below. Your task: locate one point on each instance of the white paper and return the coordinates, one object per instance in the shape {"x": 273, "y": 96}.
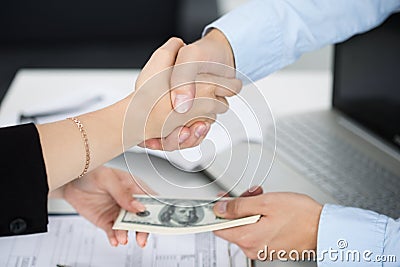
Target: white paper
{"x": 73, "y": 241}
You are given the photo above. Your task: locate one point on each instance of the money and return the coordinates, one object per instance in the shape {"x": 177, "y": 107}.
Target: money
{"x": 166, "y": 215}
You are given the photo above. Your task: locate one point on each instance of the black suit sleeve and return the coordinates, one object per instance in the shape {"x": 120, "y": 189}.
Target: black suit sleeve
{"x": 23, "y": 182}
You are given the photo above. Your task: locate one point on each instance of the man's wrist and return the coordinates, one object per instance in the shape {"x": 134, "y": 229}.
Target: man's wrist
{"x": 216, "y": 35}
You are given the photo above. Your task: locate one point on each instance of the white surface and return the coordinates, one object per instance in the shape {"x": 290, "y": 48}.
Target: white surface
{"x": 73, "y": 241}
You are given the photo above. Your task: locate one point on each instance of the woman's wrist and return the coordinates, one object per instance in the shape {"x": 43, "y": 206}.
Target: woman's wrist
{"x": 63, "y": 146}
{"x": 57, "y": 193}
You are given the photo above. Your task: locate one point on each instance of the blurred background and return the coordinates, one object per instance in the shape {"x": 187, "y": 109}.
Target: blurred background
{"x": 106, "y": 34}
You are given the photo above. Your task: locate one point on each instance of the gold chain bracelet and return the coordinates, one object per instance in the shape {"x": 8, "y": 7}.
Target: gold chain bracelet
{"x": 86, "y": 143}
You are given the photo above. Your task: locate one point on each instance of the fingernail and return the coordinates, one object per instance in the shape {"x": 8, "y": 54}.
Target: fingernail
{"x": 182, "y": 103}
{"x": 253, "y": 188}
{"x": 183, "y": 137}
{"x": 221, "y": 207}
{"x": 114, "y": 242}
{"x": 137, "y": 205}
{"x": 200, "y": 131}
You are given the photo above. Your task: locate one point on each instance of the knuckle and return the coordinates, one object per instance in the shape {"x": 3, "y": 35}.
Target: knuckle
{"x": 237, "y": 84}
{"x": 210, "y": 89}
{"x": 175, "y": 40}
{"x": 227, "y": 92}
{"x": 264, "y": 202}
{"x": 235, "y": 207}
{"x": 223, "y": 105}
{"x": 163, "y": 53}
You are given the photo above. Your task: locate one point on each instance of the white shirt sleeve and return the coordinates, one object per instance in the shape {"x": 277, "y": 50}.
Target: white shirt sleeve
{"x": 267, "y": 35}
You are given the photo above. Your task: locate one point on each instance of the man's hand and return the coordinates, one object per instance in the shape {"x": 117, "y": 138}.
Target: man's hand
{"x": 289, "y": 222}
{"x": 213, "y": 47}
{"x": 100, "y": 195}
{"x": 181, "y": 138}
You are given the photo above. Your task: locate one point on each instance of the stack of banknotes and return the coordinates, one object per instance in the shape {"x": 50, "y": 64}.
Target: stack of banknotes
{"x": 165, "y": 215}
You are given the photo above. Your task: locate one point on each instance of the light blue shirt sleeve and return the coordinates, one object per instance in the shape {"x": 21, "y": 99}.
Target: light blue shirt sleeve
{"x": 267, "y": 35}
{"x": 356, "y": 237}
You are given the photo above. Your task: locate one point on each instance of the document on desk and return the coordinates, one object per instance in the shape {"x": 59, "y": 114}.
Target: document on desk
{"x": 73, "y": 241}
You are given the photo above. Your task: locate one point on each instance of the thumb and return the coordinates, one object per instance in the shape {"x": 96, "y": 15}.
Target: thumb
{"x": 182, "y": 79}
{"x": 183, "y": 86}
{"x": 239, "y": 207}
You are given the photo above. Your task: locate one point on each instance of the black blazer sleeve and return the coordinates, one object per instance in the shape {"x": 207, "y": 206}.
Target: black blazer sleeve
{"x": 23, "y": 182}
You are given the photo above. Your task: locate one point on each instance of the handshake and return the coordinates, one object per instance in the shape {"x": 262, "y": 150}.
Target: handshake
{"x": 176, "y": 98}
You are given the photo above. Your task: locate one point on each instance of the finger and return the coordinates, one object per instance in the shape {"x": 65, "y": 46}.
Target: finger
{"x": 122, "y": 192}
{"x": 175, "y": 138}
{"x": 222, "y": 105}
{"x": 181, "y": 137}
{"x": 154, "y": 143}
{"x": 122, "y": 236}
{"x": 141, "y": 239}
{"x": 241, "y": 207}
{"x": 224, "y": 87}
{"x": 228, "y": 88}
{"x": 253, "y": 191}
{"x": 113, "y": 240}
{"x": 110, "y": 235}
{"x": 197, "y": 133}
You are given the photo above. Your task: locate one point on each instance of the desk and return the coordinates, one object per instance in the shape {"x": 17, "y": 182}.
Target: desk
{"x": 288, "y": 92}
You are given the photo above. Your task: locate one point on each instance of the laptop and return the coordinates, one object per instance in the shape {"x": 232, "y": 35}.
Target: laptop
{"x": 350, "y": 154}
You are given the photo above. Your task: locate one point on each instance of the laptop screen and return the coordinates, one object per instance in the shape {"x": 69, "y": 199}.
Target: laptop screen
{"x": 367, "y": 79}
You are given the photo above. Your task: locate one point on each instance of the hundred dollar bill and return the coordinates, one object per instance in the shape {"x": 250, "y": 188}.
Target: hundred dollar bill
{"x": 166, "y": 215}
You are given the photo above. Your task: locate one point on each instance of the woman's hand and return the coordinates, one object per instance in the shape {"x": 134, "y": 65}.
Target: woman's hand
{"x": 100, "y": 195}
{"x": 289, "y": 222}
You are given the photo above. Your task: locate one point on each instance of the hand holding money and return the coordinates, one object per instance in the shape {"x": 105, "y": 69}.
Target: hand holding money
{"x": 166, "y": 215}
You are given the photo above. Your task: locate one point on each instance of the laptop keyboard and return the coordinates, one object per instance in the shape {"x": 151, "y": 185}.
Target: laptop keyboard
{"x": 337, "y": 167}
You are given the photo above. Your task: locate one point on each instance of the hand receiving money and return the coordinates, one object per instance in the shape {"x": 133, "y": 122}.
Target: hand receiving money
{"x": 176, "y": 216}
